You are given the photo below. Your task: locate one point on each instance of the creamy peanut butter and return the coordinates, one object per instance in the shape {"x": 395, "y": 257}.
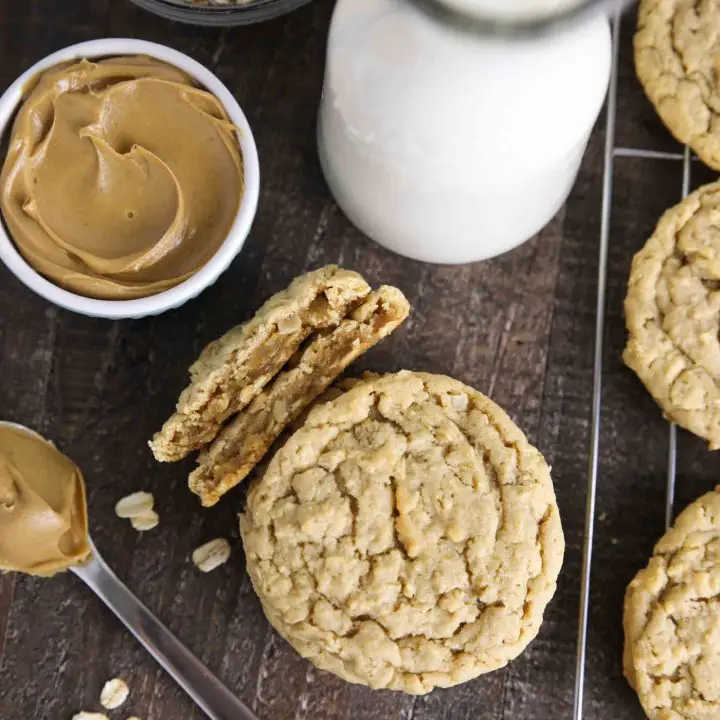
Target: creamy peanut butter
{"x": 43, "y": 515}
{"x": 122, "y": 178}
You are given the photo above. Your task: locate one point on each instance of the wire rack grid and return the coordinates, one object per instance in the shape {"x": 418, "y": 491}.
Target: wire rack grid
{"x": 611, "y": 152}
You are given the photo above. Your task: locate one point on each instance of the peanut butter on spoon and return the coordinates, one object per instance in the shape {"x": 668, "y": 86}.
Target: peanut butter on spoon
{"x": 44, "y": 530}
{"x": 43, "y": 514}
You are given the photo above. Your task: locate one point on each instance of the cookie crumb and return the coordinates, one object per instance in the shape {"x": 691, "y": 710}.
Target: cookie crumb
{"x": 82, "y": 715}
{"x": 147, "y": 521}
{"x": 139, "y": 503}
{"x": 211, "y": 555}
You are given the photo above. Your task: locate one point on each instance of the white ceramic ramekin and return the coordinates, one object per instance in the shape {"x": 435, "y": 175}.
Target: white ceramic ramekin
{"x": 209, "y": 273}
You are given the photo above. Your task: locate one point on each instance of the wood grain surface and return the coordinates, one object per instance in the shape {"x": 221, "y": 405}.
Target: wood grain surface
{"x": 519, "y": 328}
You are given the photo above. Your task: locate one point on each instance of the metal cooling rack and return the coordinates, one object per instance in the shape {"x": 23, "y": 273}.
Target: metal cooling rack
{"x": 612, "y": 151}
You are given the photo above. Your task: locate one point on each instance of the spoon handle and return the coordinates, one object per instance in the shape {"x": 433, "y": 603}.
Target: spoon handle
{"x": 198, "y": 682}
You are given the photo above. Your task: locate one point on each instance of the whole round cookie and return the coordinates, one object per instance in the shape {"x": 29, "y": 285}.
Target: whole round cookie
{"x": 407, "y": 536}
{"x": 672, "y": 619}
{"x": 677, "y": 46}
{"x": 672, "y": 312}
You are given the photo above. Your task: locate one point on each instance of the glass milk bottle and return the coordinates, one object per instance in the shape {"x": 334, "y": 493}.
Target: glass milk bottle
{"x": 448, "y": 145}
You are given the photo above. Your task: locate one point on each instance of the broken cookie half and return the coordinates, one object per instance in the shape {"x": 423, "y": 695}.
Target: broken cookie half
{"x": 232, "y": 370}
{"x": 249, "y": 436}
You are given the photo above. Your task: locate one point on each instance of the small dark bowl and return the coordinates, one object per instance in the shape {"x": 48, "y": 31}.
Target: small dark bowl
{"x": 220, "y": 15}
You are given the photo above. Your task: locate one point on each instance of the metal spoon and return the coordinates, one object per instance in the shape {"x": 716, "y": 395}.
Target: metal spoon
{"x": 194, "y": 678}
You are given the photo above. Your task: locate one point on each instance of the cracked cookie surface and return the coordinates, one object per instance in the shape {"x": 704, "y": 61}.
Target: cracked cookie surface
{"x": 677, "y": 59}
{"x": 407, "y": 536}
{"x": 672, "y": 619}
{"x": 232, "y": 370}
{"x": 245, "y": 440}
{"x": 672, "y": 313}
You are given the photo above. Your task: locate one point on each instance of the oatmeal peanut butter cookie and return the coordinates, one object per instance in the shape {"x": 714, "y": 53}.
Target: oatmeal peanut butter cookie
{"x": 232, "y": 370}
{"x": 246, "y": 439}
{"x": 672, "y": 313}
{"x": 407, "y": 536}
{"x": 672, "y": 619}
{"x": 677, "y": 59}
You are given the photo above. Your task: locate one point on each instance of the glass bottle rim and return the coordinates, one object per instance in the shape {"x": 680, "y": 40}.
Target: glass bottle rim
{"x": 459, "y": 19}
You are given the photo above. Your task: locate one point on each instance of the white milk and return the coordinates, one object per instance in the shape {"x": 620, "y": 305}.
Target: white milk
{"x": 448, "y": 147}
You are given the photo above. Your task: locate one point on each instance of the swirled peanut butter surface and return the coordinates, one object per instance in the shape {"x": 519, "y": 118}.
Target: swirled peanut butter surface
{"x": 43, "y": 515}
{"x": 122, "y": 178}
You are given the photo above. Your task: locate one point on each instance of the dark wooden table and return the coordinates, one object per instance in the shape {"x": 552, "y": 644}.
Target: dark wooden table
{"x": 519, "y": 328}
